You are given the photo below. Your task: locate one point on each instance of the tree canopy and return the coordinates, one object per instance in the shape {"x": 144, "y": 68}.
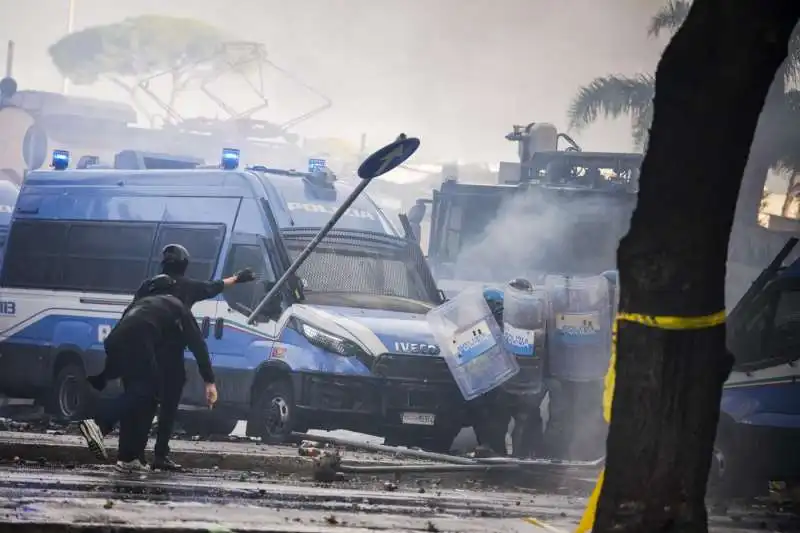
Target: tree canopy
{"x": 136, "y": 47}
{"x": 191, "y": 54}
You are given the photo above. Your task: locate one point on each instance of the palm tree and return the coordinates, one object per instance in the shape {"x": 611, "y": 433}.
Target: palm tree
{"x": 776, "y": 143}
{"x": 614, "y": 96}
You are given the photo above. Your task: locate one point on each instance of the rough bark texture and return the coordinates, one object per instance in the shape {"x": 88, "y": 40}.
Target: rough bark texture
{"x": 710, "y": 87}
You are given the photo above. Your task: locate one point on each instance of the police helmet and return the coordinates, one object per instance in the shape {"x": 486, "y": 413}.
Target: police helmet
{"x": 160, "y": 284}
{"x": 174, "y": 259}
{"x": 612, "y": 276}
{"x": 521, "y": 284}
{"x": 494, "y": 297}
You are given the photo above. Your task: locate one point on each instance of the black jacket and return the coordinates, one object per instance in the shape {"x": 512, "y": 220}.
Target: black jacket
{"x": 189, "y": 291}
{"x": 152, "y": 324}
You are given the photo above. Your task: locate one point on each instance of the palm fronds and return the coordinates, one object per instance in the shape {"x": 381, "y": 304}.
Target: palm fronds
{"x": 613, "y": 96}
{"x": 670, "y": 17}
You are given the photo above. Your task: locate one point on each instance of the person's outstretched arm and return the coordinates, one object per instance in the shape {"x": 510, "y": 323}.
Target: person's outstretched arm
{"x": 204, "y": 290}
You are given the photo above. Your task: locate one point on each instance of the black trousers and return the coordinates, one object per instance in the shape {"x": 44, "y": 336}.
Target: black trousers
{"x": 490, "y": 419}
{"x": 575, "y": 429}
{"x": 493, "y": 413}
{"x": 171, "y": 392}
{"x": 527, "y": 439}
{"x": 133, "y": 356}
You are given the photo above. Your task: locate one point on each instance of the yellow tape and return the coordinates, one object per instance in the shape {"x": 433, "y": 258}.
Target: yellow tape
{"x": 538, "y": 523}
{"x": 587, "y": 520}
{"x": 675, "y": 323}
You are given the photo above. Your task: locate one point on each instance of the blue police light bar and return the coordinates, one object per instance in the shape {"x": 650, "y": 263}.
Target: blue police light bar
{"x": 60, "y": 159}
{"x": 317, "y": 165}
{"x": 230, "y": 159}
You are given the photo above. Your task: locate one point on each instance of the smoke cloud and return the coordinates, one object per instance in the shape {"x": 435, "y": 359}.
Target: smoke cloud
{"x": 458, "y": 74}
{"x": 534, "y": 235}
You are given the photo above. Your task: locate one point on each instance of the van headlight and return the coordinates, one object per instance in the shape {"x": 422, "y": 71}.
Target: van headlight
{"x": 332, "y": 343}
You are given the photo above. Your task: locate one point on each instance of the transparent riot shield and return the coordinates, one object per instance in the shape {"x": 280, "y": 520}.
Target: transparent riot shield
{"x": 472, "y": 343}
{"x": 579, "y": 331}
{"x": 524, "y": 335}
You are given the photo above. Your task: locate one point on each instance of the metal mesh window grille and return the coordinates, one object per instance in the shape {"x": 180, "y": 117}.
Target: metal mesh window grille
{"x": 363, "y": 262}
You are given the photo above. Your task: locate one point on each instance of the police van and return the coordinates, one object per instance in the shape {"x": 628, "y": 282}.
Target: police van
{"x": 8, "y": 198}
{"x": 344, "y": 345}
{"x": 759, "y": 430}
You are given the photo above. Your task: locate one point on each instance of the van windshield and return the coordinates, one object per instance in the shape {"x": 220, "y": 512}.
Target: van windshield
{"x": 364, "y": 269}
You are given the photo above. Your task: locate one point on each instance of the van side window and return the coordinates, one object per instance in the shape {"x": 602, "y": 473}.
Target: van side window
{"x": 785, "y": 342}
{"x": 248, "y": 295}
{"x": 748, "y": 340}
{"x": 203, "y": 241}
{"x": 107, "y": 256}
{"x": 88, "y": 256}
{"x": 33, "y": 253}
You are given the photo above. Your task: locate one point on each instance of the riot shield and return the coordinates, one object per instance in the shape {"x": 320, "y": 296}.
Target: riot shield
{"x": 472, "y": 344}
{"x": 579, "y": 330}
{"x": 524, "y": 335}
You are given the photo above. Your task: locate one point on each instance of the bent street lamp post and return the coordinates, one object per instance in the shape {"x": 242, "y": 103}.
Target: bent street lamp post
{"x": 384, "y": 160}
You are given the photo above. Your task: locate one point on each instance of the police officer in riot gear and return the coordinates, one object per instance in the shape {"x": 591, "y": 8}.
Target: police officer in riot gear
{"x": 577, "y": 368}
{"x": 525, "y": 391}
{"x": 132, "y": 348}
{"x": 519, "y": 398}
{"x": 174, "y": 263}
{"x": 490, "y": 411}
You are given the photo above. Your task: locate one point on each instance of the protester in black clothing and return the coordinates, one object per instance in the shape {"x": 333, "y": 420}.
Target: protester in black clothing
{"x": 131, "y": 354}
{"x": 174, "y": 262}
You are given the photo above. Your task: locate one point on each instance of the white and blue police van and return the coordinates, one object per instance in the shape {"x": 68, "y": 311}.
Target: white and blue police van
{"x": 8, "y": 198}
{"x": 759, "y": 430}
{"x": 344, "y": 344}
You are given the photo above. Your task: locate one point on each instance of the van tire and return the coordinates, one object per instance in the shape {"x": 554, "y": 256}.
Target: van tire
{"x": 68, "y": 399}
{"x": 206, "y": 424}
{"x": 730, "y": 475}
{"x": 273, "y": 412}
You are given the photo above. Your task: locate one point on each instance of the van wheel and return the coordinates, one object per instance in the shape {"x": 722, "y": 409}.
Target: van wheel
{"x": 730, "y": 476}
{"x": 68, "y": 398}
{"x": 272, "y": 415}
{"x": 206, "y": 424}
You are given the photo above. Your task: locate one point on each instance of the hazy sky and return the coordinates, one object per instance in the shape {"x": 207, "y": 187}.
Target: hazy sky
{"x": 457, "y": 73}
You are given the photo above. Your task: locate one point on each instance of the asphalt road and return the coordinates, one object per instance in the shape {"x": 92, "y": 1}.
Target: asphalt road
{"x": 218, "y": 500}
{"x": 222, "y": 501}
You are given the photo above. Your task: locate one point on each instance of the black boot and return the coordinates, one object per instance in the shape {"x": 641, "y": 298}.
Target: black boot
{"x": 166, "y": 464}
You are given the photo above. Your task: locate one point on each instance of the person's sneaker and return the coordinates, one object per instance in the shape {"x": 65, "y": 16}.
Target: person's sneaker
{"x": 166, "y": 464}
{"x": 131, "y": 467}
{"x": 94, "y": 438}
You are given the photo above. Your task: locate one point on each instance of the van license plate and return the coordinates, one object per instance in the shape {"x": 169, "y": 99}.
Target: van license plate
{"x": 419, "y": 419}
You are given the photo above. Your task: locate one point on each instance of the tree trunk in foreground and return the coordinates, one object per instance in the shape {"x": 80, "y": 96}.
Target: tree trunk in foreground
{"x": 710, "y": 87}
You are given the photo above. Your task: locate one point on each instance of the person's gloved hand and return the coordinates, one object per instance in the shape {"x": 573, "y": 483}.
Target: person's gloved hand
{"x": 245, "y": 276}
{"x": 98, "y": 382}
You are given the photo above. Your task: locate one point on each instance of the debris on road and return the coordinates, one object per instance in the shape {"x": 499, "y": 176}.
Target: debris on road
{"x": 49, "y": 500}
